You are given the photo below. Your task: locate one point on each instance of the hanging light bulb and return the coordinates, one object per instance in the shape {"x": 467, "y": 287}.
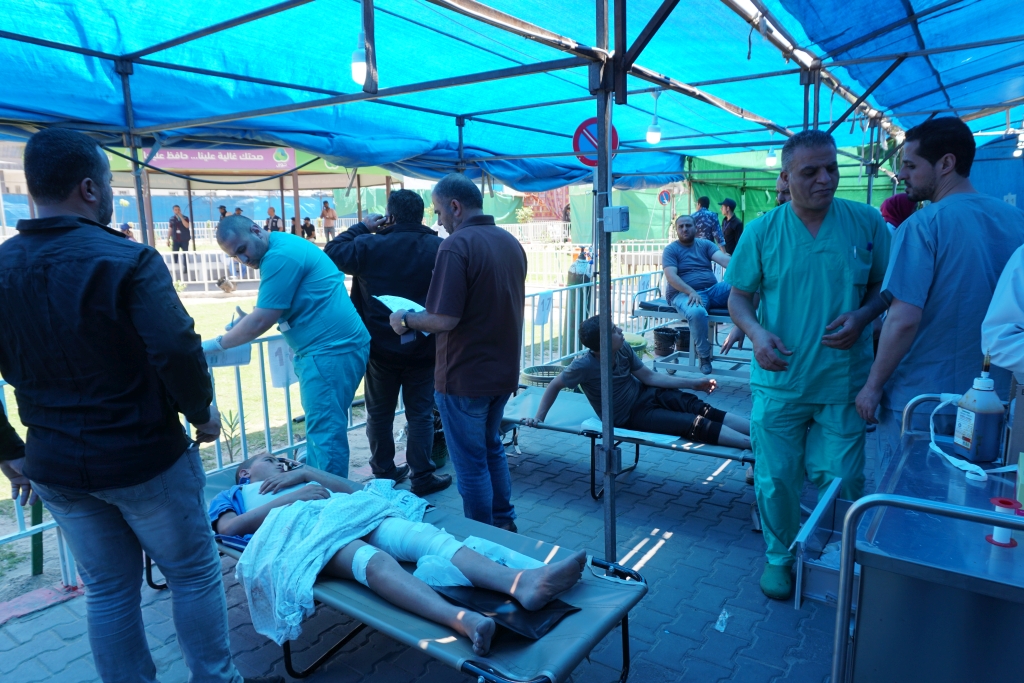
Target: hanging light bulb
{"x": 359, "y": 60}
{"x": 771, "y": 159}
{"x": 654, "y": 130}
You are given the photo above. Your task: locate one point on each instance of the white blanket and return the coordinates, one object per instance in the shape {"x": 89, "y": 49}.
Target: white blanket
{"x": 288, "y": 551}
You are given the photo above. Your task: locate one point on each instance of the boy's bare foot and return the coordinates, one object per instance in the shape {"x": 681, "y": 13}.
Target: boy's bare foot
{"x": 538, "y": 587}
{"x": 479, "y": 629}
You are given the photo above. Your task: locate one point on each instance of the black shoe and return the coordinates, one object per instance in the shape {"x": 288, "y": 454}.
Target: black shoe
{"x": 437, "y": 482}
{"x": 396, "y": 475}
{"x": 264, "y": 679}
{"x": 511, "y": 526}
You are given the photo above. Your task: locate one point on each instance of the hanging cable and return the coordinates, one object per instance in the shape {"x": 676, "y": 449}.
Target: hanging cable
{"x": 205, "y": 180}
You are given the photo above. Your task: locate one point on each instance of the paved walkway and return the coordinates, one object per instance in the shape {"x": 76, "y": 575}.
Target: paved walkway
{"x": 684, "y": 520}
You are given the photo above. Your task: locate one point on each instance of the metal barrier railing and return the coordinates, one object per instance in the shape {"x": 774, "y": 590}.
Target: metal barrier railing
{"x": 551, "y": 321}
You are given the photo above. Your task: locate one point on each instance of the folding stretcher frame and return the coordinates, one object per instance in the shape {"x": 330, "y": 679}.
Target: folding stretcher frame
{"x": 570, "y": 411}
{"x": 604, "y": 601}
{"x": 687, "y": 361}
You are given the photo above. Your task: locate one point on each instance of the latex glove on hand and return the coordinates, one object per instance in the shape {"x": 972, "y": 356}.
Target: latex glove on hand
{"x": 212, "y": 346}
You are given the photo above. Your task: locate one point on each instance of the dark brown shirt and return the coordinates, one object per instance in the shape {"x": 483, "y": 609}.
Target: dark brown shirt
{"x": 480, "y": 278}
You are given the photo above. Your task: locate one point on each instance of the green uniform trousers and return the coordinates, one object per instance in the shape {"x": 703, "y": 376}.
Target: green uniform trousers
{"x": 824, "y": 440}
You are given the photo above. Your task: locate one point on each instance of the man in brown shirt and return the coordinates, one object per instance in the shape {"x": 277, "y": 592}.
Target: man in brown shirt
{"x": 475, "y": 306}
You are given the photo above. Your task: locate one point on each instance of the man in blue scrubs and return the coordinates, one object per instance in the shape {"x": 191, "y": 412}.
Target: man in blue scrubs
{"x": 304, "y": 293}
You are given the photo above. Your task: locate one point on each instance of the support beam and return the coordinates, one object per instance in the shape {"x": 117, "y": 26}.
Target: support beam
{"x": 63, "y": 47}
{"x": 620, "y": 70}
{"x": 124, "y": 70}
{"x": 962, "y": 81}
{"x": 749, "y": 77}
{"x": 981, "y": 110}
{"x": 655, "y": 23}
{"x": 864, "y": 95}
{"x": 506, "y": 22}
{"x": 707, "y": 98}
{"x": 426, "y": 86}
{"x": 216, "y": 28}
{"x": 191, "y": 217}
{"x": 369, "y": 46}
{"x": 297, "y": 225}
{"x": 929, "y": 51}
{"x": 888, "y": 28}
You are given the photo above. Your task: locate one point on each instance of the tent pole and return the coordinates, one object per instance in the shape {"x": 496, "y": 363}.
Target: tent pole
{"x": 460, "y": 122}
{"x": 816, "y": 77}
{"x": 359, "y": 196}
{"x": 124, "y": 69}
{"x": 191, "y": 219}
{"x": 3, "y": 216}
{"x": 872, "y": 168}
{"x": 296, "y": 229}
{"x": 805, "y": 81}
{"x": 604, "y": 162}
{"x": 281, "y": 181}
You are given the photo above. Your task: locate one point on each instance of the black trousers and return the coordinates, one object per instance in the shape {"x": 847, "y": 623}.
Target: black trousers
{"x": 677, "y": 413}
{"x": 381, "y": 386}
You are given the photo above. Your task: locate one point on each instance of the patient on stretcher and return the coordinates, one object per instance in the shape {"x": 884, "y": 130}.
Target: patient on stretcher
{"x": 644, "y": 400}
{"x": 373, "y": 558}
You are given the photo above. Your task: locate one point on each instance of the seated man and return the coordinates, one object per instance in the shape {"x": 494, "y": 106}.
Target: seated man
{"x": 692, "y": 287}
{"x": 373, "y": 559}
{"x": 644, "y": 400}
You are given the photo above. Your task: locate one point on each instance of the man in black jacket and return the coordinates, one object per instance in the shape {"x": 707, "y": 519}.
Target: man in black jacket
{"x": 103, "y": 358}
{"x": 395, "y": 256}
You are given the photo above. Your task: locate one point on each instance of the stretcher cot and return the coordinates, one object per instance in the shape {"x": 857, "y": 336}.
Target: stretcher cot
{"x": 604, "y": 604}
{"x": 573, "y": 414}
{"x": 735, "y": 365}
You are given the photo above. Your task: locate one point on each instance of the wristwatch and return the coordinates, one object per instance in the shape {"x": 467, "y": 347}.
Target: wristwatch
{"x": 405, "y": 324}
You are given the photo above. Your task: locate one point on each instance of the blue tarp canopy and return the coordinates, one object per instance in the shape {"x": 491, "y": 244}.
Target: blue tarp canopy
{"x": 309, "y": 45}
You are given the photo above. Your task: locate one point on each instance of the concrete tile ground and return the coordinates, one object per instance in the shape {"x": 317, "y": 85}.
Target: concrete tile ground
{"x": 683, "y": 520}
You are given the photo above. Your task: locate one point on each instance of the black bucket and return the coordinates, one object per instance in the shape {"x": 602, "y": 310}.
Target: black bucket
{"x": 664, "y": 339}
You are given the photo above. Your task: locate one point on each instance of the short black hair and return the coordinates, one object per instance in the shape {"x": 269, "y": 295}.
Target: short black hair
{"x": 704, "y": 202}
{"x": 57, "y": 160}
{"x": 590, "y": 333}
{"x": 175, "y": 207}
{"x": 244, "y": 465}
{"x": 460, "y": 188}
{"x": 806, "y": 138}
{"x": 406, "y": 206}
{"x": 942, "y": 136}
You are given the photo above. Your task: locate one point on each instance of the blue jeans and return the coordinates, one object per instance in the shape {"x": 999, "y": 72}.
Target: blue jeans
{"x": 327, "y": 385}
{"x": 716, "y": 296}
{"x": 471, "y": 431}
{"x": 108, "y": 530}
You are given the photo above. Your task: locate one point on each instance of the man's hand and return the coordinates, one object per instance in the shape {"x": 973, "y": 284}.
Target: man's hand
{"x": 765, "y": 346}
{"x": 531, "y": 421}
{"x": 311, "y": 492}
{"x": 693, "y": 298}
{"x": 20, "y": 485}
{"x": 844, "y": 339}
{"x": 735, "y": 338}
{"x": 374, "y": 221}
{"x": 396, "y": 321}
{"x": 707, "y": 385}
{"x": 283, "y": 480}
{"x": 209, "y": 431}
{"x": 234, "y": 320}
{"x": 867, "y": 403}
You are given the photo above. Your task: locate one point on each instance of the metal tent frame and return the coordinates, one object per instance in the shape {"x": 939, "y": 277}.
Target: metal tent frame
{"x": 608, "y": 68}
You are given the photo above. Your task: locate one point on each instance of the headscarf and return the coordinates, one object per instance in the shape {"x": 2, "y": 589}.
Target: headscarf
{"x": 897, "y": 209}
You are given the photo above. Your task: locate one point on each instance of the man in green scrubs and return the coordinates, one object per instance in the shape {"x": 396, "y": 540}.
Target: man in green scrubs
{"x": 818, "y": 262}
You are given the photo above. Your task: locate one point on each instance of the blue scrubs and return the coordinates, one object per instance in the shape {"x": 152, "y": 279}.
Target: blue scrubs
{"x": 331, "y": 343}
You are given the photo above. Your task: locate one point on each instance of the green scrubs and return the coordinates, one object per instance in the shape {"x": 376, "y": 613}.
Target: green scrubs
{"x": 804, "y": 418}
{"x": 331, "y": 344}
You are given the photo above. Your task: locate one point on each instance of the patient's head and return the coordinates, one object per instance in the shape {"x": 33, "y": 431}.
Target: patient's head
{"x": 258, "y": 468}
{"x": 590, "y": 335}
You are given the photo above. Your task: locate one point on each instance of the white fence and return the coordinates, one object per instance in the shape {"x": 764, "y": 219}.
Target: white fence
{"x": 540, "y": 232}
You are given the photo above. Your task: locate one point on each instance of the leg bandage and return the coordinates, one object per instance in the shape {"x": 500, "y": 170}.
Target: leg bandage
{"x": 409, "y": 541}
{"x": 359, "y": 562}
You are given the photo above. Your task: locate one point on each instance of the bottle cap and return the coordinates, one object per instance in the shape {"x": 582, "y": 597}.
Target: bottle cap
{"x": 984, "y": 384}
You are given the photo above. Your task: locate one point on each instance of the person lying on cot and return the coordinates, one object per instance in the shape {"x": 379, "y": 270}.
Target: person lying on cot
{"x": 643, "y": 400}
{"x": 373, "y": 559}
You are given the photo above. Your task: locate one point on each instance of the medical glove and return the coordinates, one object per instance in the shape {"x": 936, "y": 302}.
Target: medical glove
{"x": 212, "y": 346}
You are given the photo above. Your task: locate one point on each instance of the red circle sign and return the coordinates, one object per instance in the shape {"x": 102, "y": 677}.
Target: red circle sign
{"x": 584, "y": 142}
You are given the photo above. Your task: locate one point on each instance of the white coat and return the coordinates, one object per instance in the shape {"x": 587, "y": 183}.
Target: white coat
{"x": 1002, "y": 330}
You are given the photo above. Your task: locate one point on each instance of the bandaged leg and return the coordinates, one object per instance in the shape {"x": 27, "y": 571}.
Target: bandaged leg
{"x": 409, "y": 541}
{"x": 360, "y": 561}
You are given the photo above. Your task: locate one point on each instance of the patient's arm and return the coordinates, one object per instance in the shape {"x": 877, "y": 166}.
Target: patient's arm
{"x": 655, "y": 379}
{"x": 304, "y": 475}
{"x": 230, "y": 524}
{"x": 546, "y": 401}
